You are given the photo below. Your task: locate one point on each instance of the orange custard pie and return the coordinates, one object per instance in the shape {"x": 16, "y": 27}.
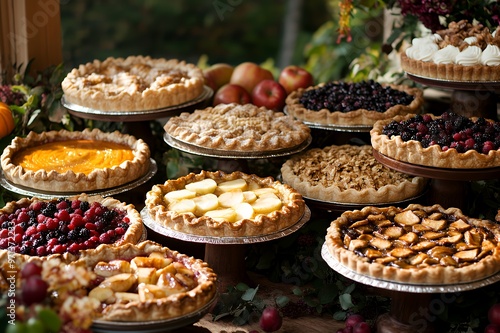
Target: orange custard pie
{"x": 66, "y": 161}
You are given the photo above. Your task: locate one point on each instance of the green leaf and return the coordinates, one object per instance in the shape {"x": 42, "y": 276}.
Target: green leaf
{"x": 297, "y": 291}
{"x": 281, "y": 301}
{"x": 241, "y": 286}
{"x": 340, "y": 315}
{"x": 345, "y": 301}
{"x": 249, "y": 294}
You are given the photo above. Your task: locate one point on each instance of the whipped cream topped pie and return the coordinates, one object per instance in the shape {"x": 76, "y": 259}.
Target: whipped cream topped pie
{"x": 348, "y": 174}
{"x": 446, "y": 141}
{"x": 352, "y": 103}
{"x": 66, "y": 161}
{"x": 222, "y": 204}
{"x": 462, "y": 52}
{"x": 415, "y": 245}
{"x": 238, "y": 127}
{"x": 134, "y": 83}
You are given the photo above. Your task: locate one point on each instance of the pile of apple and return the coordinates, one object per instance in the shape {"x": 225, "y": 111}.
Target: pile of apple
{"x": 249, "y": 82}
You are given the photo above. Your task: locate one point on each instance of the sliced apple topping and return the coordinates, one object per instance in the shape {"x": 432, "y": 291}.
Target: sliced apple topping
{"x": 205, "y": 203}
{"x": 233, "y": 185}
{"x": 204, "y": 186}
{"x": 266, "y": 205}
{"x": 231, "y": 199}
{"x": 227, "y": 214}
{"x": 179, "y": 195}
{"x": 183, "y": 206}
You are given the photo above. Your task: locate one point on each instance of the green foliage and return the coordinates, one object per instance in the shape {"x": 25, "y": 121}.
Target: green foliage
{"x": 241, "y": 303}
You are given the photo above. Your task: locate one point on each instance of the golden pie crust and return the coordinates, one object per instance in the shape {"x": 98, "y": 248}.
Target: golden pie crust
{"x": 134, "y": 83}
{"x": 238, "y": 127}
{"x": 356, "y": 117}
{"x": 433, "y": 156}
{"x": 415, "y": 245}
{"x": 348, "y": 174}
{"x": 289, "y": 211}
{"x": 47, "y": 178}
{"x": 178, "y": 304}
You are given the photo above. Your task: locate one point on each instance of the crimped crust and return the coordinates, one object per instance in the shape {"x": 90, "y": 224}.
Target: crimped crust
{"x": 348, "y": 174}
{"x": 412, "y": 151}
{"x": 292, "y": 209}
{"x": 238, "y": 128}
{"x": 100, "y": 178}
{"x": 134, "y": 83}
{"x": 356, "y": 117}
{"x": 173, "y": 306}
{"x": 132, "y": 235}
{"x": 450, "y": 72}
{"x": 414, "y": 274}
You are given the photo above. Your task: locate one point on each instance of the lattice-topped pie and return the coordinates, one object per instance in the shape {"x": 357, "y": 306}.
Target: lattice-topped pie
{"x": 134, "y": 83}
{"x": 350, "y": 104}
{"x": 415, "y": 245}
{"x": 237, "y": 127}
{"x": 348, "y": 174}
{"x": 221, "y": 204}
{"x": 66, "y": 161}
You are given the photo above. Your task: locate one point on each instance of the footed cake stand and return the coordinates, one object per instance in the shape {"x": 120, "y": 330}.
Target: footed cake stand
{"x": 413, "y": 307}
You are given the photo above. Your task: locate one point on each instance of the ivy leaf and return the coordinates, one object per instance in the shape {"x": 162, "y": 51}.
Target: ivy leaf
{"x": 345, "y": 301}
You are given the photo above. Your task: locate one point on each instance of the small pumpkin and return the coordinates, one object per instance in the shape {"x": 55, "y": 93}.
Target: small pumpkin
{"x": 7, "y": 123}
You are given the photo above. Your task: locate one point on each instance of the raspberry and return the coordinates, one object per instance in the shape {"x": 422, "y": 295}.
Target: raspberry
{"x": 52, "y": 224}
{"x": 104, "y": 239}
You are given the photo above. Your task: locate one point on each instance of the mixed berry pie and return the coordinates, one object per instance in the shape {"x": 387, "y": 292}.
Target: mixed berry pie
{"x": 348, "y": 174}
{"x": 446, "y": 141}
{"x": 353, "y": 103}
{"x": 224, "y": 204}
{"x": 238, "y": 127}
{"x": 75, "y": 161}
{"x": 134, "y": 83}
{"x": 415, "y": 245}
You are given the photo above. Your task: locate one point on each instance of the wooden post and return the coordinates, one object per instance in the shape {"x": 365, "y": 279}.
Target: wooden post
{"x": 30, "y": 30}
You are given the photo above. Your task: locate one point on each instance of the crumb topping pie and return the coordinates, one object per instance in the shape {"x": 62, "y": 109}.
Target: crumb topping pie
{"x": 222, "y": 204}
{"x": 135, "y": 83}
{"x": 238, "y": 127}
{"x": 348, "y": 174}
{"x": 66, "y": 161}
{"x": 349, "y": 103}
{"x": 415, "y": 245}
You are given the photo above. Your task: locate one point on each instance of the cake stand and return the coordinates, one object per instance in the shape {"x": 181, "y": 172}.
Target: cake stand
{"x": 448, "y": 187}
{"x": 413, "y": 307}
{"x": 469, "y": 98}
{"x": 225, "y": 255}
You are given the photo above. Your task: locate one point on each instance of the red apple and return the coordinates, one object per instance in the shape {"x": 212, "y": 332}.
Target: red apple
{"x": 218, "y": 75}
{"x": 492, "y": 328}
{"x": 248, "y": 74}
{"x": 294, "y": 77}
{"x": 231, "y": 93}
{"x": 270, "y": 94}
{"x": 494, "y": 314}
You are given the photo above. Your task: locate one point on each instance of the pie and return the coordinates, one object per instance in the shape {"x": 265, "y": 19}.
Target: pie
{"x": 146, "y": 281}
{"x": 350, "y": 104}
{"x": 36, "y": 228}
{"x": 75, "y": 161}
{"x": 238, "y": 127}
{"x": 415, "y": 245}
{"x": 462, "y": 52}
{"x": 135, "y": 83}
{"x": 348, "y": 174}
{"x": 446, "y": 141}
{"x": 224, "y": 204}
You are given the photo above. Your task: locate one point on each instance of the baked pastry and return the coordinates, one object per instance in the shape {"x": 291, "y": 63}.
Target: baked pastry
{"x": 348, "y": 174}
{"x": 238, "y": 127}
{"x": 415, "y": 245}
{"x": 462, "y": 52}
{"x": 36, "y": 228}
{"x": 134, "y": 83}
{"x": 74, "y": 161}
{"x": 224, "y": 205}
{"x": 447, "y": 141}
{"x": 350, "y": 104}
{"x": 147, "y": 282}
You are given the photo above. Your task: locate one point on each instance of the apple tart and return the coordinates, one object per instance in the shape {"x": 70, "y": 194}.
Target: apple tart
{"x": 135, "y": 83}
{"x": 236, "y": 127}
{"x": 348, "y": 174}
{"x": 224, "y": 205}
{"x": 79, "y": 161}
{"x": 415, "y": 245}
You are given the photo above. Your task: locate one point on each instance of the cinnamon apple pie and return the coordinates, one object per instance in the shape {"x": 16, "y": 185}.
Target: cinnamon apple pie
{"x": 415, "y": 245}
{"x": 224, "y": 204}
{"x": 66, "y": 161}
{"x": 348, "y": 174}
{"x": 134, "y": 83}
{"x": 351, "y": 104}
{"x": 236, "y": 127}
